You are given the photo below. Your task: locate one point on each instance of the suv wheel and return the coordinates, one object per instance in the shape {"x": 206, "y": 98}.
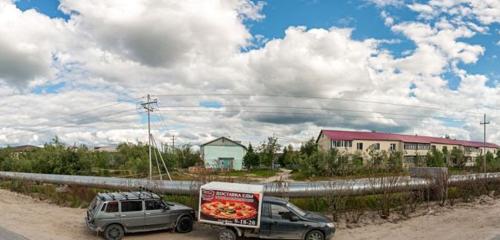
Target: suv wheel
{"x": 184, "y": 225}
{"x": 315, "y": 235}
{"x": 227, "y": 234}
{"x": 113, "y": 232}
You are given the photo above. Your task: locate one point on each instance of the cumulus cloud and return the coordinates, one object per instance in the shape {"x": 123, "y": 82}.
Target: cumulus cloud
{"x": 165, "y": 33}
{"x": 28, "y": 44}
{"x": 486, "y": 11}
{"x": 312, "y": 62}
{"x": 384, "y": 3}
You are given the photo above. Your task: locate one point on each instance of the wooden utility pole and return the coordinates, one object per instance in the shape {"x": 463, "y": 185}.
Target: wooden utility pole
{"x": 149, "y": 108}
{"x": 173, "y": 143}
{"x": 484, "y": 123}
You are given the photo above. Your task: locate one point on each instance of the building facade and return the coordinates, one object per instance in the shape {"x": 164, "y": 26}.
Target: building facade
{"x": 412, "y": 147}
{"x": 223, "y": 153}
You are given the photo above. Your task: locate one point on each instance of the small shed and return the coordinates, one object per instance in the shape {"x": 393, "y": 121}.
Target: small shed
{"x": 223, "y": 153}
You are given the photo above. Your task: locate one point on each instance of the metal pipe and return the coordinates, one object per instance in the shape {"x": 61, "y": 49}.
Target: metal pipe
{"x": 284, "y": 189}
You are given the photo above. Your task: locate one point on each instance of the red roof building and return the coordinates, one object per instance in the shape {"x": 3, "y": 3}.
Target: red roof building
{"x": 379, "y": 136}
{"x": 412, "y": 146}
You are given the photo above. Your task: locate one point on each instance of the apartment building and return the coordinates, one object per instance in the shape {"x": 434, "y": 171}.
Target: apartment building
{"x": 410, "y": 145}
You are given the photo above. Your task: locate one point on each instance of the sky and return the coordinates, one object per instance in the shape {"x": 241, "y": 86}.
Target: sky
{"x": 246, "y": 69}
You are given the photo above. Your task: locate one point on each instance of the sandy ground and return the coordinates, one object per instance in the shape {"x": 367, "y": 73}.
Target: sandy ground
{"x": 33, "y": 219}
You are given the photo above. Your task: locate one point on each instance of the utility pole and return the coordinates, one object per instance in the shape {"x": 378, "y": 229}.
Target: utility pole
{"x": 149, "y": 108}
{"x": 484, "y": 123}
{"x": 173, "y": 143}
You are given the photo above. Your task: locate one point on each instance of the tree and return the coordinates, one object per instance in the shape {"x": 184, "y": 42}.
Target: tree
{"x": 490, "y": 158}
{"x": 289, "y": 157}
{"x": 377, "y": 158}
{"x": 268, "y": 152}
{"x": 251, "y": 159}
{"x": 435, "y": 158}
{"x": 319, "y": 163}
{"x": 187, "y": 157}
{"x": 395, "y": 161}
{"x": 457, "y": 157}
{"x": 357, "y": 160}
{"x": 309, "y": 147}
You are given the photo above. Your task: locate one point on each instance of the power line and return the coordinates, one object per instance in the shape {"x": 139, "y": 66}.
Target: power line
{"x": 307, "y": 114}
{"x": 68, "y": 125}
{"x": 306, "y": 108}
{"x": 307, "y": 97}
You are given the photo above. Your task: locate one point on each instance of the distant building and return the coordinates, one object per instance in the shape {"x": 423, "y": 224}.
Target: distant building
{"x": 412, "y": 146}
{"x": 19, "y": 150}
{"x": 105, "y": 149}
{"x": 223, "y": 153}
{"x": 24, "y": 148}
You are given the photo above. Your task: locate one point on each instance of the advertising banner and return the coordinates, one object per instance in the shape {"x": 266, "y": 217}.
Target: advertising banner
{"x": 230, "y": 207}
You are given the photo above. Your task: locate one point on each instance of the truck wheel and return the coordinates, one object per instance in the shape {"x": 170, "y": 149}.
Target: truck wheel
{"x": 315, "y": 235}
{"x": 227, "y": 234}
{"x": 113, "y": 232}
{"x": 184, "y": 225}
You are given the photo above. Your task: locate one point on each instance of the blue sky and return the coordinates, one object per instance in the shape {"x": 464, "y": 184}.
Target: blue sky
{"x": 47, "y": 7}
{"x": 363, "y": 17}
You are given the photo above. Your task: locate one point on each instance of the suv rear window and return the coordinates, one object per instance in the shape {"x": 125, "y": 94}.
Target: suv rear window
{"x": 112, "y": 207}
{"x": 131, "y": 206}
{"x": 154, "y": 204}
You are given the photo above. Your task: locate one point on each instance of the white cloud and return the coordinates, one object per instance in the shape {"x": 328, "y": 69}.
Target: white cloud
{"x": 422, "y": 8}
{"x": 28, "y": 42}
{"x": 384, "y": 3}
{"x": 167, "y": 33}
{"x": 318, "y": 56}
{"x": 486, "y": 11}
{"x": 388, "y": 20}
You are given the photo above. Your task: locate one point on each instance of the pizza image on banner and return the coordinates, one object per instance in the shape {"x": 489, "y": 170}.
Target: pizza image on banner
{"x": 221, "y": 204}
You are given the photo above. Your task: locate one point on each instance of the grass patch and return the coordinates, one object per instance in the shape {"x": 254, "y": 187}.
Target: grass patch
{"x": 70, "y": 196}
{"x": 251, "y": 173}
{"x": 300, "y": 176}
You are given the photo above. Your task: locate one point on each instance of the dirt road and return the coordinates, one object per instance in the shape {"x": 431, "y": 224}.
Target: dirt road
{"x": 21, "y": 215}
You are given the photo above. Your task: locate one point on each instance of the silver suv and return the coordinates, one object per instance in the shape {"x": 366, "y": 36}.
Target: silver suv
{"x": 115, "y": 214}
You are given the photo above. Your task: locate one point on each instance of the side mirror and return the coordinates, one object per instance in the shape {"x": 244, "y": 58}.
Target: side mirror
{"x": 294, "y": 218}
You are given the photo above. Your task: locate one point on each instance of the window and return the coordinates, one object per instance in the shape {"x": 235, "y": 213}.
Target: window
{"x": 94, "y": 203}
{"x": 296, "y": 209}
{"x": 410, "y": 159}
{"x": 376, "y": 146}
{"x": 154, "y": 205}
{"x": 280, "y": 212}
{"x": 131, "y": 206}
{"x": 339, "y": 144}
{"x": 112, "y": 207}
{"x": 410, "y": 146}
{"x": 266, "y": 210}
{"x": 445, "y": 149}
{"x": 359, "y": 146}
{"x": 423, "y": 146}
{"x": 392, "y": 147}
{"x": 433, "y": 147}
